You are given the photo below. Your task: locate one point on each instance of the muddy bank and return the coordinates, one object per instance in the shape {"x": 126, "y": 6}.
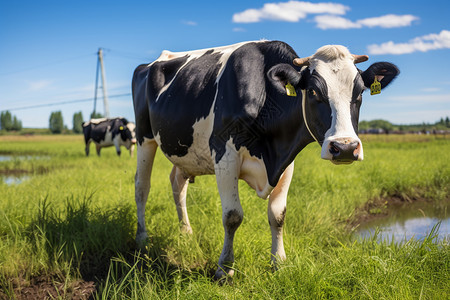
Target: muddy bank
{"x": 382, "y": 207}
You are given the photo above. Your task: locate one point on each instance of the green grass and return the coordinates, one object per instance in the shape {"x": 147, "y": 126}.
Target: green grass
{"x": 74, "y": 221}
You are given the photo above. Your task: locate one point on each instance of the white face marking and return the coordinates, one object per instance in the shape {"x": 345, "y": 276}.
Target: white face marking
{"x": 339, "y": 74}
{"x": 132, "y": 128}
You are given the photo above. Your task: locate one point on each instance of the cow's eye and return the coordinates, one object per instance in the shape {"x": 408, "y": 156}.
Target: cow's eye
{"x": 312, "y": 93}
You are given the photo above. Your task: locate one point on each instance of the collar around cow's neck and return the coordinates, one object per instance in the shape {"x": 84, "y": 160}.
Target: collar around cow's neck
{"x": 304, "y": 115}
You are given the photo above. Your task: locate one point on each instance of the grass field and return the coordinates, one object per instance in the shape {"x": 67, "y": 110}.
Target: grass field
{"x": 68, "y": 231}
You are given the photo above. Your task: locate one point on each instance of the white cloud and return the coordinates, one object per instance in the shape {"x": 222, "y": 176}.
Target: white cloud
{"x": 386, "y": 21}
{"x": 329, "y": 15}
{"x": 423, "y": 44}
{"x": 189, "y": 23}
{"x": 389, "y": 21}
{"x": 39, "y": 84}
{"x": 335, "y": 22}
{"x": 239, "y": 29}
{"x": 291, "y": 11}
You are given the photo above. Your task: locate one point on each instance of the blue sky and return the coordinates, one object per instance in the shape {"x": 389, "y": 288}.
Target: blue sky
{"x": 48, "y": 48}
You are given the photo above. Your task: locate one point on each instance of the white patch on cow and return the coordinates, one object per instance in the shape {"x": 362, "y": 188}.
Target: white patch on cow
{"x": 253, "y": 171}
{"x": 198, "y": 160}
{"x": 94, "y": 121}
{"x": 108, "y": 141}
{"x": 335, "y": 64}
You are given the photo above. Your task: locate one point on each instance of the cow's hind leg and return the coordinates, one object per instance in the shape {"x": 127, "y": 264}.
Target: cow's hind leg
{"x": 145, "y": 157}
{"x": 276, "y": 212}
{"x": 179, "y": 189}
{"x": 86, "y": 149}
{"x": 227, "y": 174}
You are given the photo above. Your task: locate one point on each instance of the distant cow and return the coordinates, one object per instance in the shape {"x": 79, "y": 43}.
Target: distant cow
{"x": 244, "y": 112}
{"x": 109, "y": 132}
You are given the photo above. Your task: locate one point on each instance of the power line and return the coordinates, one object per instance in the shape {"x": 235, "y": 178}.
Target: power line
{"x": 119, "y": 53}
{"x": 46, "y": 64}
{"x": 63, "y": 102}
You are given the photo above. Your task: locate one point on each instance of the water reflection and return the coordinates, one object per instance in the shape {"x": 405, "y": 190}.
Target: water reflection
{"x": 408, "y": 221}
{"x": 15, "y": 176}
{"x": 14, "y": 180}
{"x": 6, "y": 157}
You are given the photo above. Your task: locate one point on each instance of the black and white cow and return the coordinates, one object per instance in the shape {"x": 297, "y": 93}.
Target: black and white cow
{"x": 244, "y": 112}
{"x": 109, "y": 132}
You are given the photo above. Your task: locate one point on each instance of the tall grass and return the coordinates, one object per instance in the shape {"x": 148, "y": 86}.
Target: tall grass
{"x": 74, "y": 219}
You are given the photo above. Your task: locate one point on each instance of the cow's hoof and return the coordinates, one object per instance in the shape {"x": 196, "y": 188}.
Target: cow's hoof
{"x": 141, "y": 240}
{"x": 186, "y": 229}
{"x": 224, "y": 275}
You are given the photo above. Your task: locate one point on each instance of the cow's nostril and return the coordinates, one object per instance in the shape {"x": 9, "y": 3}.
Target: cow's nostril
{"x": 333, "y": 149}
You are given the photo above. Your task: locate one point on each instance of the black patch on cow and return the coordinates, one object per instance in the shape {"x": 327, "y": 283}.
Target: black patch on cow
{"x": 254, "y": 112}
{"x": 317, "y": 105}
{"x": 355, "y": 104}
{"x": 232, "y": 220}
{"x": 162, "y": 72}
{"x": 143, "y": 128}
{"x": 187, "y": 99}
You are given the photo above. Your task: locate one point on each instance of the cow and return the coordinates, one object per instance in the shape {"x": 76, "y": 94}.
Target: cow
{"x": 109, "y": 132}
{"x": 245, "y": 111}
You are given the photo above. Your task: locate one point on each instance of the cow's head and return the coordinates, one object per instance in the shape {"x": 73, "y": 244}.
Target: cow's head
{"x": 127, "y": 132}
{"x": 331, "y": 89}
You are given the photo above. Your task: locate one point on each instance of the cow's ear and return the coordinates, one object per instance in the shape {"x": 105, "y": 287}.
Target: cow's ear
{"x": 282, "y": 74}
{"x": 384, "y": 72}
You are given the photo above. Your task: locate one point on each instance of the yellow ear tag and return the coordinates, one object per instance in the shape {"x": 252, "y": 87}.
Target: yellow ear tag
{"x": 121, "y": 127}
{"x": 290, "y": 90}
{"x": 375, "y": 87}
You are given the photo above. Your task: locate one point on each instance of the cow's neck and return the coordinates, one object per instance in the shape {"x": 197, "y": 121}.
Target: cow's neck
{"x": 284, "y": 138}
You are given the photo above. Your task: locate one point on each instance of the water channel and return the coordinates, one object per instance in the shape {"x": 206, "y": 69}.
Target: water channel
{"x": 411, "y": 220}
{"x": 15, "y": 177}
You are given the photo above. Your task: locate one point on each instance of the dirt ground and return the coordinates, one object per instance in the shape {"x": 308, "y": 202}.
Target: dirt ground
{"x": 50, "y": 287}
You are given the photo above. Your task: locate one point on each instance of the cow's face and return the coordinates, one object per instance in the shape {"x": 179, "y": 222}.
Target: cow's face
{"x": 128, "y": 134}
{"x": 331, "y": 90}
{"x": 132, "y": 129}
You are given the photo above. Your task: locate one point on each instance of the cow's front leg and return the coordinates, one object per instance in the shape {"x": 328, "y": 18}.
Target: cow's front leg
{"x": 117, "y": 145}
{"x": 276, "y": 212}
{"x": 98, "y": 148}
{"x": 145, "y": 157}
{"x": 131, "y": 150}
{"x": 179, "y": 189}
{"x": 227, "y": 174}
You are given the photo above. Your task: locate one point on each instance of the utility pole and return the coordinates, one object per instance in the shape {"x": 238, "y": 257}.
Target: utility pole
{"x": 105, "y": 93}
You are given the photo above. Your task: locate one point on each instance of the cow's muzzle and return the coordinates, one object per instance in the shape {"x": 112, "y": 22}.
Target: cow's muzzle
{"x": 344, "y": 152}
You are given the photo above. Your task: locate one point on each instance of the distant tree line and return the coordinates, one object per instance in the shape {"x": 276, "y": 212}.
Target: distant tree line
{"x": 383, "y": 126}
{"x": 56, "y": 122}
{"x": 8, "y": 122}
